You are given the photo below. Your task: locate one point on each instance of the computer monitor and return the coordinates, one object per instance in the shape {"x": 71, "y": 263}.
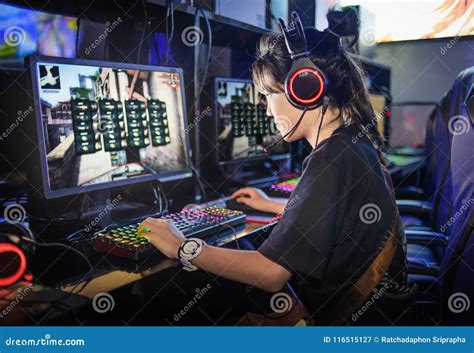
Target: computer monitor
{"x": 379, "y": 104}
{"x": 102, "y": 124}
{"x": 408, "y": 124}
{"x": 24, "y": 31}
{"x": 243, "y": 127}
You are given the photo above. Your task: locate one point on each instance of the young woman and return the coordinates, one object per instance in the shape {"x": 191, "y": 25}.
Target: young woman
{"x": 341, "y": 213}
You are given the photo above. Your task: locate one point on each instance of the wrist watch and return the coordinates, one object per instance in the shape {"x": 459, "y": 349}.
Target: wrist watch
{"x": 189, "y": 250}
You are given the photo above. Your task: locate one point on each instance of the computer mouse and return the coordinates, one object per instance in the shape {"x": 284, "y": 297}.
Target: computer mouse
{"x": 234, "y": 205}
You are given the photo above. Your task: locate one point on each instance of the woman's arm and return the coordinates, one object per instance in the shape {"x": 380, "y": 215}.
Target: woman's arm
{"x": 249, "y": 267}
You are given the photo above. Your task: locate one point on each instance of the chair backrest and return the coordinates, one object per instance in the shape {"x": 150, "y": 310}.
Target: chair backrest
{"x": 457, "y": 266}
{"x": 447, "y": 118}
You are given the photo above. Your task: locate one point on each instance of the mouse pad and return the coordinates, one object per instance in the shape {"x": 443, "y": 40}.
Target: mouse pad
{"x": 249, "y": 211}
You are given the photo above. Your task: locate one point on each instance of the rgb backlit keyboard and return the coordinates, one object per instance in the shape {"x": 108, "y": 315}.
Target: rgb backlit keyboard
{"x": 284, "y": 188}
{"x": 124, "y": 241}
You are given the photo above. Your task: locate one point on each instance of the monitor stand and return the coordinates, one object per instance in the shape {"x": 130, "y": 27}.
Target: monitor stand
{"x": 55, "y": 219}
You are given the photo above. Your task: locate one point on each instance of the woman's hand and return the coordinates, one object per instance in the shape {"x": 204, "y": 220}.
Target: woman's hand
{"x": 258, "y": 200}
{"x": 163, "y": 234}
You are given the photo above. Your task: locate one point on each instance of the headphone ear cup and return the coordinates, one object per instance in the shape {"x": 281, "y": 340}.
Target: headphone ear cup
{"x": 15, "y": 253}
{"x": 305, "y": 85}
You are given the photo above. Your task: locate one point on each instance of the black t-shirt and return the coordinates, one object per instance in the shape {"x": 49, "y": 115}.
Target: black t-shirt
{"x": 336, "y": 220}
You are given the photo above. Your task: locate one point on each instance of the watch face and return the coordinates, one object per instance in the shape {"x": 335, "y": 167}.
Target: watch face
{"x": 190, "y": 247}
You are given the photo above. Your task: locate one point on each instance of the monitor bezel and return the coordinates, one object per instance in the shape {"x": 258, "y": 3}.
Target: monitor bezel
{"x": 276, "y": 156}
{"x": 31, "y": 62}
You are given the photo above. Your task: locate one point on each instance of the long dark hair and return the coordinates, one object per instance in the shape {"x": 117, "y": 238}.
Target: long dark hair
{"x": 346, "y": 89}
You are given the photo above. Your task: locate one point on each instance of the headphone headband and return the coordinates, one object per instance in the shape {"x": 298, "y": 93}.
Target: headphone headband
{"x": 295, "y": 39}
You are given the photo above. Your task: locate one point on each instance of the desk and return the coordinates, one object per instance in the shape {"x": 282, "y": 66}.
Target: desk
{"x": 129, "y": 283}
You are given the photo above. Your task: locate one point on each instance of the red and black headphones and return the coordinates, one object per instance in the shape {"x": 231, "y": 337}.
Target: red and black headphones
{"x": 15, "y": 253}
{"x": 305, "y": 84}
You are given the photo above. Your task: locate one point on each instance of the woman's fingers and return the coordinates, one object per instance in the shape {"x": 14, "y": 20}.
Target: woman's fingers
{"x": 243, "y": 192}
{"x": 243, "y": 200}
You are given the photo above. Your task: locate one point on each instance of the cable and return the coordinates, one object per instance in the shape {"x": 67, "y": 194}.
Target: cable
{"x": 198, "y": 179}
{"x": 208, "y": 56}
{"x": 72, "y": 291}
{"x": 142, "y": 38}
{"x": 78, "y": 25}
{"x": 91, "y": 268}
{"x": 234, "y": 231}
{"x": 170, "y": 12}
{"x": 289, "y": 133}
{"x": 164, "y": 197}
{"x": 323, "y": 112}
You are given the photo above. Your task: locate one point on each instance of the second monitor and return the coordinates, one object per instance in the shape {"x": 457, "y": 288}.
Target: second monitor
{"x": 243, "y": 127}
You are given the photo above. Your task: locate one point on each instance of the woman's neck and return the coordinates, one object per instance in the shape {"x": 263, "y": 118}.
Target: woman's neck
{"x": 331, "y": 122}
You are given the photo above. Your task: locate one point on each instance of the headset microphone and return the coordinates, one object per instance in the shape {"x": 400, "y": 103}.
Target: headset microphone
{"x": 293, "y": 129}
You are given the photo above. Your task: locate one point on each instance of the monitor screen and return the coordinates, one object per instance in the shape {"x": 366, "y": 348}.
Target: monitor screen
{"x": 244, "y": 129}
{"x": 408, "y": 124}
{"x": 26, "y": 31}
{"x": 400, "y": 20}
{"x": 102, "y": 125}
{"x": 379, "y": 103}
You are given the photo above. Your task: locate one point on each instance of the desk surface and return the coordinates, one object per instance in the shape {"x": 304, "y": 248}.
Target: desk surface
{"x": 110, "y": 274}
